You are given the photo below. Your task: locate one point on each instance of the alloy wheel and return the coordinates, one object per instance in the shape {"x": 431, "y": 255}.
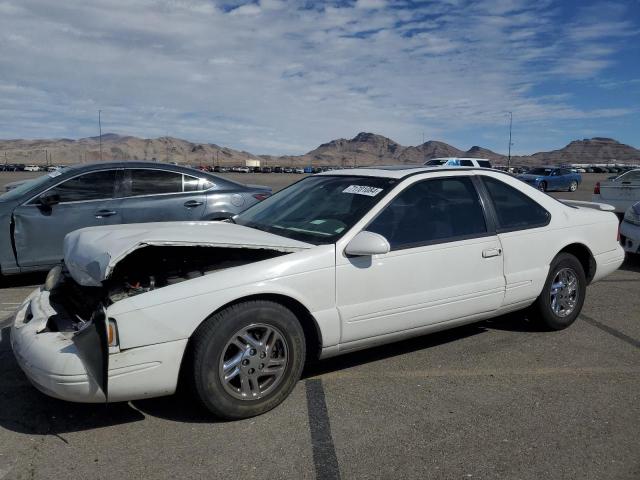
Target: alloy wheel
{"x": 564, "y": 292}
{"x": 253, "y": 362}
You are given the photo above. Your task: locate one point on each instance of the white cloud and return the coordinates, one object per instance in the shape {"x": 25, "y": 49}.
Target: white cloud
{"x": 371, "y": 4}
{"x": 279, "y": 77}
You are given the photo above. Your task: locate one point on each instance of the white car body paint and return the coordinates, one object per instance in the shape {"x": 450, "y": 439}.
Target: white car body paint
{"x": 356, "y": 302}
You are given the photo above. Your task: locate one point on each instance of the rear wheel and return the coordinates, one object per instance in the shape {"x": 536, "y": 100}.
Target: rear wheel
{"x": 563, "y": 294}
{"x": 542, "y": 186}
{"x": 573, "y": 187}
{"x": 247, "y": 358}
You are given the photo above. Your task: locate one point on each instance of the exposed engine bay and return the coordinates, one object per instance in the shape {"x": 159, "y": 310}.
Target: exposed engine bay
{"x": 148, "y": 268}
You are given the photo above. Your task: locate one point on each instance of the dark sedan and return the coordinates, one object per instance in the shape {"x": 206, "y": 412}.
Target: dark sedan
{"x": 37, "y": 214}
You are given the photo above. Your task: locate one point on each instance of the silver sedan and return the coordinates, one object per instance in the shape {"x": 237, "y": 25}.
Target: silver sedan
{"x": 37, "y": 214}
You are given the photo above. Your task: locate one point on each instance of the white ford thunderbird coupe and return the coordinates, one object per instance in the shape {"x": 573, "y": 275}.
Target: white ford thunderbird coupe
{"x": 334, "y": 263}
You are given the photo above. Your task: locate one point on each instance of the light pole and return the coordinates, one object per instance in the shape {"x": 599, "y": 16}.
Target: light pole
{"x": 100, "y": 129}
{"x": 509, "y": 154}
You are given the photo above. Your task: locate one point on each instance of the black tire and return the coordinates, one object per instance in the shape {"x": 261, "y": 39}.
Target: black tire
{"x": 542, "y": 186}
{"x": 211, "y": 341}
{"x": 542, "y": 311}
{"x": 573, "y": 186}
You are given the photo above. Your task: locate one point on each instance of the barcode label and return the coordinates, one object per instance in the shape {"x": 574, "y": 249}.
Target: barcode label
{"x": 362, "y": 190}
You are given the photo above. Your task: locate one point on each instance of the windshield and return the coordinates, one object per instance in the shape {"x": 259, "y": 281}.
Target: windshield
{"x": 25, "y": 187}
{"x": 540, "y": 171}
{"x": 318, "y": 209}
{"x": 436, "y": 162}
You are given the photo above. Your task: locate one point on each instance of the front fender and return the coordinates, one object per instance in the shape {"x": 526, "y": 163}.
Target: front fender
{"x": 174, "y": 312}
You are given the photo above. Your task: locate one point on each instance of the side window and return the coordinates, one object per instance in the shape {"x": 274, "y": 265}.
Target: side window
{"x": 515, "y": 210}
{"x": 484, "y": 163}
{"x": 193, "y": 184}
{"x": 154, "y": 182}
{"x": 431, "y": 211}
{"x": 466, "y": 163}
{"x": 90, "y": 186}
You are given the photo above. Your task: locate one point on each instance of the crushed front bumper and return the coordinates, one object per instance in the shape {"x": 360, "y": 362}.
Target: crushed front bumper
{"x": 53, "y": 364}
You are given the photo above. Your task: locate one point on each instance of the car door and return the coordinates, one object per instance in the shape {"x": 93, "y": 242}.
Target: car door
{"x": 445, "y": 263}
{"x": 520, "y": 223}
{"x": 85, "y": 200}
{"x": 157, "y": 195}
{"x": 566, "y": 177}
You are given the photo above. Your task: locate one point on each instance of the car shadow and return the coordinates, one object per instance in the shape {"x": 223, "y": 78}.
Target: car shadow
{"x": 25, "y": 410}
{"x": 23, "y": 280}
{"x": 631, "y": 263}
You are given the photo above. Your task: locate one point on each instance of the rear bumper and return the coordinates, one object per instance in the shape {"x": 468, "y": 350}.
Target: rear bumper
{"x": 608, "y": 262}
{"x": 51, "y": 361}
{"x": 630, "y": 237}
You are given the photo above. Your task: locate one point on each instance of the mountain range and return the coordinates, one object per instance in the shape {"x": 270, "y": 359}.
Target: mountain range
{"x": 362, "y": 150}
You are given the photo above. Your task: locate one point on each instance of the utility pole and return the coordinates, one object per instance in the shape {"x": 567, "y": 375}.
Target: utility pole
{"x": 100, "y": 129}
{"x": 509, "y": 155}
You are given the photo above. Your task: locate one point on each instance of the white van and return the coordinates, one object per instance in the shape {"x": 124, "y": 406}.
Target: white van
{"x": 458, "y": 162}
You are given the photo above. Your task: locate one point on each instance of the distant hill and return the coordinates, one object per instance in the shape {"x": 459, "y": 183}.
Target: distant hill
{"x": 119, "y": 147}
{"x": 364, "y": 149}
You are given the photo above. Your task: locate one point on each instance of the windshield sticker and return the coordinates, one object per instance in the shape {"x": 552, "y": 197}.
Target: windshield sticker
{"x": 362, "y": 190}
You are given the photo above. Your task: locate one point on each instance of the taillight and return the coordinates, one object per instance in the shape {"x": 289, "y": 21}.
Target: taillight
{"x": 596, "y": 189}
{"x": 261, "y": 196}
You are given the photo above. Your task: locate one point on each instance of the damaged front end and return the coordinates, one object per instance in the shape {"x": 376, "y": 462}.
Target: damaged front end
{"x": 80, "y": 311}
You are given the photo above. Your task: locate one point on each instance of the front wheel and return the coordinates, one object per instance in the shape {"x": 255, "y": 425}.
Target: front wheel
{"x": 573, "y": 187}
{"x": 247, "y": 359}
{"x": 563, "y": 293}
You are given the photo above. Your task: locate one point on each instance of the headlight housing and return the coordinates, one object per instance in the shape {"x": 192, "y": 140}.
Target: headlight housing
{"x": 632, "y": 215}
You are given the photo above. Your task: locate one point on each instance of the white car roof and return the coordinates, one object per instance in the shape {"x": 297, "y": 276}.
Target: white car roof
{"x": 396, "y": 171}
{"x": 460, "y": 158}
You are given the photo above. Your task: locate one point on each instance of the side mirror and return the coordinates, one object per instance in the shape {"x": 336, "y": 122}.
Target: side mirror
{"x": 367, "y": 244}
{"x": 48, "y": 200}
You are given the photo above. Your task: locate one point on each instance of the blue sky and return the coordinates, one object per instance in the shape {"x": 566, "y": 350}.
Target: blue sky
{"x": 281, "y": 77}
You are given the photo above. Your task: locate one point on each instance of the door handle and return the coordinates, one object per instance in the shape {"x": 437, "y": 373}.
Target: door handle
{"x": 491, "y": 252}
{"x": 105, "y": 213}
{"x": 193, "y": 203}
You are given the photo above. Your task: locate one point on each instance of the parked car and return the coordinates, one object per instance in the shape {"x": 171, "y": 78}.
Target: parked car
{"x": 630, "y": 229}
{"x": 298, "y": 170}
{"x": 266, "y": 170}
{"x": 621, "y": 191}
{"x": 32, "y": 168}
{"x": 243, "y": 169}
{"x": 458, "y": 162}
{"x": 37, "y": 214}
{"x": 552, "y": 178}
{"x": 334, "y": 263}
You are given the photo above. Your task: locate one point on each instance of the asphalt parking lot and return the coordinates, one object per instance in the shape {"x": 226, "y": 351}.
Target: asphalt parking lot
{"x": 497, "y": 399}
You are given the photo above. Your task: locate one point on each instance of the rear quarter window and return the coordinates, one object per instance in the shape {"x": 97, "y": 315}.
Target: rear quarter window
{"x": 514, "y": 209}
